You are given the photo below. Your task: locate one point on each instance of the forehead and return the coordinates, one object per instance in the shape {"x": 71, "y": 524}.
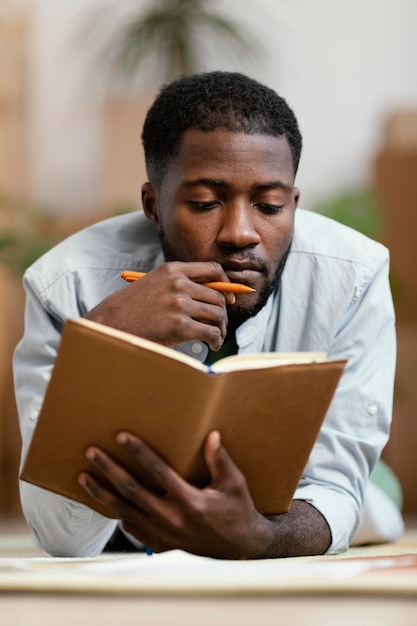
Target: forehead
{"x": 230, "y": 155}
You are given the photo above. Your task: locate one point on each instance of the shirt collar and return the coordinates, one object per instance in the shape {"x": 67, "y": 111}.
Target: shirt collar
{"x": 250, "y": 335}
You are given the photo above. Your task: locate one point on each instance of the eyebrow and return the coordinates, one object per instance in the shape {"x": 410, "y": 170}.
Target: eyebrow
{"x": 276, "y": 184}
{"x": 203, "y": 182}
{"x": 213, "y": 182}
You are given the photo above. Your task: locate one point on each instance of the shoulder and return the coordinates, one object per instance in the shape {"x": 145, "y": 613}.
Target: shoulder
{"x": 332, "y": 260}
{"x": 85, "y": 268}
{"x": 332, "y": 272}
{"x": 110, "y": 244}
{"x": 318, "y": 237}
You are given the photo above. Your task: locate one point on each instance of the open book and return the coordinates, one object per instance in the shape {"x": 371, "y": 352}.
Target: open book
{"x": 268, "y": 408}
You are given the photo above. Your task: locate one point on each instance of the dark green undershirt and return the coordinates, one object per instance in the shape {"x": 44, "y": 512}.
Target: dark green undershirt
{"x": 228, "y": 348}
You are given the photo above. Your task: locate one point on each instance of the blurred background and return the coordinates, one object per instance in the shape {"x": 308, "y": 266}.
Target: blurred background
{"x": 76, "y": 79}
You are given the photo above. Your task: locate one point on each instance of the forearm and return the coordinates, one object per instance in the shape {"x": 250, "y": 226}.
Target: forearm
{"x": 303, "y": 531}
{"x": 63, "y": 527}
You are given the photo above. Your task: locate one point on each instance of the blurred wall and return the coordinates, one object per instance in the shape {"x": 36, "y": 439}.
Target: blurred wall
{"x": 343, "y": 66}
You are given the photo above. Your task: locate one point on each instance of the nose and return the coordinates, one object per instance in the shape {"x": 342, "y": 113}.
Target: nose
{"x": 238, "y": 227}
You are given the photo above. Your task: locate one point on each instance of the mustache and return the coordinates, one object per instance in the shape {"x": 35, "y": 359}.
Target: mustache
{"x": 236, "y": 262}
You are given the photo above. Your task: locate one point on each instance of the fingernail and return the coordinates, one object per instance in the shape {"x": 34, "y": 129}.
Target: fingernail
{"x": 216, "y": 439}
{"x": 82, "y": 480}
{"x": 122, "y": 438}
{"x": 90, "y": 454}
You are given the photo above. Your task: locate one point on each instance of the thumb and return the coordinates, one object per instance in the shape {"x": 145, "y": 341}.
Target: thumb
{"x": 230, "y": 298}
{"x": 221, "y": 466}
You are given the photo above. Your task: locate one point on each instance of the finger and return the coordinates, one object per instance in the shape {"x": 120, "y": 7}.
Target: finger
{"x": 155, "y": 469}
{"x": 206, "y": 272}
{"x": 131, "y": 490}
{"x": 217, "y": 297}
{"x": 197, "y": 312}
{"x": 137, "y": 522}
{"x": 120, "y": 508}
{"x": 203, "y": 271}
{"x": 205, "y": 322}
{"x": 179, "y": 274}
{"x": 230, "y": 298}
{"x": 213, "y": 316}
{"x": 192, "y": 330}
{"x": 209, "y": 310}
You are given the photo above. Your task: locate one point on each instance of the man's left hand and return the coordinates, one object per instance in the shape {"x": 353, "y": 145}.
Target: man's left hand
{"x": 218, "y": 521}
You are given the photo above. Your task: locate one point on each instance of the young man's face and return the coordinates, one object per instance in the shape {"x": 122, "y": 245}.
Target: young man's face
{"x": 229, "y": 197}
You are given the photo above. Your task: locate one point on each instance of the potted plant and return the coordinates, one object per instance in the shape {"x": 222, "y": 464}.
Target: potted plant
{"x": 171, "y": 36}
{"x": 134, "y": 49}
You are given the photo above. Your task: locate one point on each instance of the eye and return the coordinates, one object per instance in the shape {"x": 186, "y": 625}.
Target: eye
{"x": 203, "y": 206}
{"x": 269, "y": 208}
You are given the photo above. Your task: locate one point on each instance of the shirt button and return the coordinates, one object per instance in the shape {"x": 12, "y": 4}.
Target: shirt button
{"x": 372, "y": 409}
{"x": 196, "y": 348}
{"x": 34, "y": 414}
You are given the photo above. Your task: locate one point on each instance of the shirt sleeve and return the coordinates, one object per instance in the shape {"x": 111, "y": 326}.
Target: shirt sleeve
{"x": 61, "y": 526}
{"x": 357, "y": 425}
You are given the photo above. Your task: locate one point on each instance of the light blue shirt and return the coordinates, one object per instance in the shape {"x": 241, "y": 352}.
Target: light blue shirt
{"x": 334, "y": 297}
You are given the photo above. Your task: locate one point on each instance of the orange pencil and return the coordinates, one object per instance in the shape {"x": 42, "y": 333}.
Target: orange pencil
{"x": 130, "y": 276}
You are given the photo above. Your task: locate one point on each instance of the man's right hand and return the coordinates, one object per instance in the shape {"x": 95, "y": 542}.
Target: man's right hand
{"x": 169, "y": 305}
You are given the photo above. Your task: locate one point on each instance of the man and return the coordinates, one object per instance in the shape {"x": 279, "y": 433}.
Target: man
{"x": 222, "y": 153}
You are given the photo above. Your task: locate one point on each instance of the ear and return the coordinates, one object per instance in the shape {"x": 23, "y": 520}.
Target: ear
{"x": 296, "y": 196}
{"x": 150, "y": 203}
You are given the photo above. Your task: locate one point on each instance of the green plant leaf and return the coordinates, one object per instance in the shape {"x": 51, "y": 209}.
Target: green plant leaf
{"x": 358, "y": 208}
{"x": 174, "y": 32}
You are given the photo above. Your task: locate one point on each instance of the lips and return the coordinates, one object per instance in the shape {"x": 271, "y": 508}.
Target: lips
{"x": 247, "y": 277}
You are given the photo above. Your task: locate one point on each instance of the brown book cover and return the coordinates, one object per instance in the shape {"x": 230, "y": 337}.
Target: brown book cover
{"x": 268, "y": 408}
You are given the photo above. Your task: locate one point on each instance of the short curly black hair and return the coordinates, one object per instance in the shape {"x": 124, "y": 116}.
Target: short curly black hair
{"x": 208, "y": 101}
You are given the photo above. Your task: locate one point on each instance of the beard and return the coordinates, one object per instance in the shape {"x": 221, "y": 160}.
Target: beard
{"x": 237, "y": 312}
